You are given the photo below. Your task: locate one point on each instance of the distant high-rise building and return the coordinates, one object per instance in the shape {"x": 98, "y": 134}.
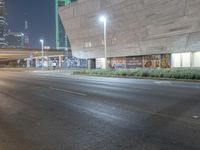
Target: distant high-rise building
{"x": 26, "y": 33}
{"x": 15, "y": 40}
{"x": 3, "y": 24}
{"x": 62, "y": 41}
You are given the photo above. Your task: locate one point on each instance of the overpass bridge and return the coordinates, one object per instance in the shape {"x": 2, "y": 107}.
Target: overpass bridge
{"x": 30, "y": 57}
{"x": 22, "y": 53}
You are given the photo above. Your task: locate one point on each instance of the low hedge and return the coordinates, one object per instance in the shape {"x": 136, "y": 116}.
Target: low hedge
{"x": 144, "y": 72}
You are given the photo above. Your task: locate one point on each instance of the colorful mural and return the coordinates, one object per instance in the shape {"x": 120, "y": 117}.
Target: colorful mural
{"x": 166, "y": 61}
{"x": 118, "y": 62}
{"x": 151, "y": 61}
{"x": 134, "y": 62}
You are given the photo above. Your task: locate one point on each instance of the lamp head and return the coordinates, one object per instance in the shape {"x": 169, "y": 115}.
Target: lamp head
{"x": 102, "y": 19}
{"x": 42, "y": 41}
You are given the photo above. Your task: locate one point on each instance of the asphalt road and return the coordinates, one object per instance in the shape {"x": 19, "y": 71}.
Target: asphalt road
{"x": 56, "y": 111}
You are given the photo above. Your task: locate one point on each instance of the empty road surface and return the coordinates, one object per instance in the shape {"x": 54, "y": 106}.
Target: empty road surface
{"x": 56, "y": 111}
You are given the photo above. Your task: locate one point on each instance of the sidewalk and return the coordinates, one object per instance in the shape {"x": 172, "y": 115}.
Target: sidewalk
{"x": 40, "y": 70}
{"x": 61, "y": 71}
{"x": 13, "y": 69}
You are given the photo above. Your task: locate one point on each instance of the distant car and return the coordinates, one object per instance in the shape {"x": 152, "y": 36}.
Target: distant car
{"x": 54, "y": 65}
{"x": 40, "y": 65}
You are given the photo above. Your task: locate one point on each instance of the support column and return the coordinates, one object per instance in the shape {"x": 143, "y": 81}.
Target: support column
{"x": 36, "y": 62}
{"x": 48, "y": 62}
{"x": 60, "y": 61}
{"x": 28, "y": 63}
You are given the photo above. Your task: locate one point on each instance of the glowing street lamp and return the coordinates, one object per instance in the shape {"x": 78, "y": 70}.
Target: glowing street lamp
{"x": 42, "y": 49}
{"x": 104, "y": 20}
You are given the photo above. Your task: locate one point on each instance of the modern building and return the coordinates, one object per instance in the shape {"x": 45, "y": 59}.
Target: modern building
{"x": 26, "y": 33}
{"x": 61, "y": 37}
{"x": 15, "y": 40}
{"x": 3, "y": 24}
{"x": 140, "y": 33}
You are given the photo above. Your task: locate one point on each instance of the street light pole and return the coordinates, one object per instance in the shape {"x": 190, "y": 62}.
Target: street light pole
{"x": 105, "y": 43}
{"x": 104, "y": 20}
{"x": 42, "y": 48}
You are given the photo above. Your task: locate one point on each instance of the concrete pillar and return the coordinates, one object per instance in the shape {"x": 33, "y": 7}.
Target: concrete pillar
{"x": 47, "y": 61}
{"x": 36, "y": 62}
{"x": 28, "y": 63}
{"x": 50, "y": 62}
{"x": 60, "y": 61}
{"x": 91, "y": 64}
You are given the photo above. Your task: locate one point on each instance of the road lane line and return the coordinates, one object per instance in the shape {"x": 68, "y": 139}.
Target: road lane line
{"x": 66, "y": 91}
{"x": 104, "y": 115}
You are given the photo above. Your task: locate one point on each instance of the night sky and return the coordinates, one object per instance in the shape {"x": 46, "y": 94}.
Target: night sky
{"x": 40, "y": 15}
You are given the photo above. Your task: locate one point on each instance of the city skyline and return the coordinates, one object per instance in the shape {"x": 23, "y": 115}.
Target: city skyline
{"x": 40, "y": 16}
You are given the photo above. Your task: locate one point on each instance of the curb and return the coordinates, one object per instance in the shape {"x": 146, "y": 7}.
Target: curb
{"x": 148, "y": 78}
{"x": 13, "y": 69}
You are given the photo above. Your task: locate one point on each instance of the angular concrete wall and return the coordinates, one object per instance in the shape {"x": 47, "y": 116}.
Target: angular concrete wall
{"x": 135, "y": 27}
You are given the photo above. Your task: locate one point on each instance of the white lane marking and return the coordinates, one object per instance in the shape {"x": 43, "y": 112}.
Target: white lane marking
{"x": 163, "y": 82}
{"x": 104, "y": 114}
{"x": 140, "y": 88}
{"x": 66, "y": 91}
{"x": 195, "y": 117}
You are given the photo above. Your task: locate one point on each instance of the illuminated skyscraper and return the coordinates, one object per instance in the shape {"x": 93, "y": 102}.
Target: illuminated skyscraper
{"x": 26, "y": 33}
{"x": 3, "y": 24}
{"x": 62, "y": 41}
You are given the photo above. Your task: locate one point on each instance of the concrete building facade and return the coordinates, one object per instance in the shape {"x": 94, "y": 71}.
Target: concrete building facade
{"x": 140, "y": 33}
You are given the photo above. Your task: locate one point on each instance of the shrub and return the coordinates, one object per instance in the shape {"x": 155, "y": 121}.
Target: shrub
{"x": 183, "y": 73}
